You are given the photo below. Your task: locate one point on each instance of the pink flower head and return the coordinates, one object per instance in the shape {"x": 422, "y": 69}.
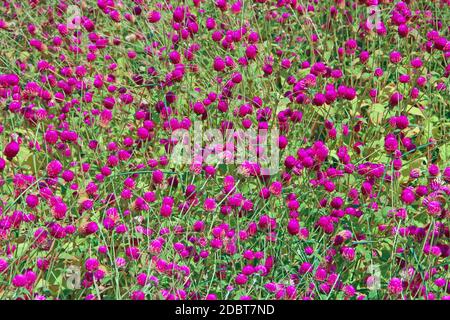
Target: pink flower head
{"x": 395, "y": 286}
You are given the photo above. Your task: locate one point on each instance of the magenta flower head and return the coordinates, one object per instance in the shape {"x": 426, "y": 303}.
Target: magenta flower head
{"x": 446, "y": 174}
{"x": 251, "y": 51}
{"x": 133, "y": 253}
{"x": 364, "y": 56}
{"x": 286, "y": 63}
{"x": 199, "y": 226}
{"x": 395, "y": 57}
{"x": 276, "y": 188}
{"x": 416, "y": 63}
{"x": 91, "y": 264}
{"x": 3, "y": 265}
{"x": 210, "y": 23}
{"x": 154, "y": 16}
{"x": 407, "y": 196}
{"x": 142, "y": 279}
{"x": 42, "y": 264}
{"x": 91, "y": 228}
{"x": 87, "y": 205}
{"x": 378, "y": 72}
{"x": 137, "y": 295}
{"x": 241, "y": 279}
{"x": 402, "y": 122}
{"x": 293, "y": 227}
{"x": 19, "y": 280}
{"x": 210, "y": 204}
{"x": 395, "y": 286}
{"x": 11, "y": 150}
{"x": 32, "y": 200}
{"x": 120, "y": 262}
{"x": 9, "y": 80}
{"x": 390, "y": 143}
{"x": 157, "y": 177}
{"x": 395, "y": 98}
{"x": 59, "y": 210}
{"x": 219, "y": 64}
{"x": 166, "y": 210}
{"x": 319, "y": 99}
{"x": 433, "y": 170}
{"x": 54, "y": 168}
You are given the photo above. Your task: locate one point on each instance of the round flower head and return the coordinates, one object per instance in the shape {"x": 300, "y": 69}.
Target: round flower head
{"x": 416, "y": 63}
{"x": 137, "y": 295}
{"x": 408, "y": 196}
{"x": 395, "y": 286}
{"x": 19, "y": 280}
{"x": 11, "y": 149}
{"x": 54, "y": 168}
{"x": 293, "y": 227}
{"x": 154, "y": 16}
{"x": 433, "y": 170}
{"x": 210, "y": 204}
{"x": 395, "y": 57}
{"x": 251, "y": 51}
{"x": 91, "y": 264}
{"x": 241, "y": 279}
{"x": 395, "y": 98}
{"x": 378, "y": 72}
{"x": 3, "y": 265}
{"x": 32, "y": 200}
{"x": 133, "y": 253}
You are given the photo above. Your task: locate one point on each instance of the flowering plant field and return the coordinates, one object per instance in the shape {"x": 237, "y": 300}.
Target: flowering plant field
{"x": 214, "y": 149}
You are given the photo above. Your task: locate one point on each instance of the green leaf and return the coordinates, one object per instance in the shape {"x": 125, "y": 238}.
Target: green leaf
{"x": 416, "y": 111}
{"x": 376, "y": 112}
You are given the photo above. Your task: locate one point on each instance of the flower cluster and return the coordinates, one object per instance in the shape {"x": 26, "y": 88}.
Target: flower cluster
{"x": 358, "y": 207}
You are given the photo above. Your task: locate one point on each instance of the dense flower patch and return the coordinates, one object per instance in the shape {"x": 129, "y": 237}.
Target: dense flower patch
{"x": 93, "y": 95}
